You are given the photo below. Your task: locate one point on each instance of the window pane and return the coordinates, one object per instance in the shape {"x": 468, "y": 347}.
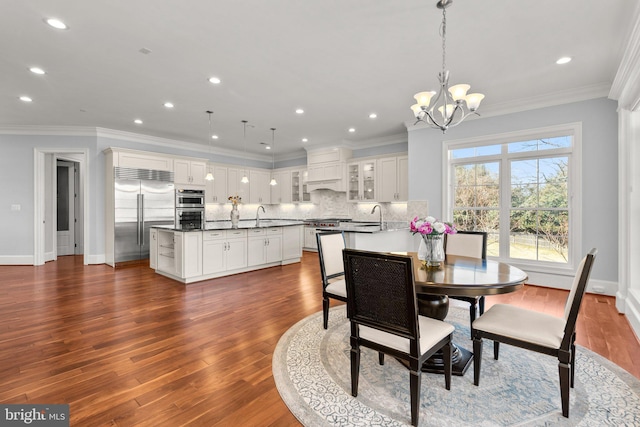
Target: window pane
{"x": 465, "y": 196}
{"x": 524, "y": 171}
{"x": 487, "y": 150}
{"x": 539, "y": 235}
{"x": 541, "y": 144}
{"x": 488, "y": 196}
{"x": 524, "y": 196}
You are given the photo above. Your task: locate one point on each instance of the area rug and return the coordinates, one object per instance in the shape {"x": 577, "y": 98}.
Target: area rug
{"x": 311, "y": 368}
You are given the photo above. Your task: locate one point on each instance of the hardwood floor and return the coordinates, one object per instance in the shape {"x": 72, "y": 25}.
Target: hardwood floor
{"x": 129, "y": 347}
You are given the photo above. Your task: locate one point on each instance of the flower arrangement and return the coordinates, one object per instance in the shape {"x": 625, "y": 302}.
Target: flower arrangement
{"x": 430, "y": 226}
{"x": 235, "y": 200}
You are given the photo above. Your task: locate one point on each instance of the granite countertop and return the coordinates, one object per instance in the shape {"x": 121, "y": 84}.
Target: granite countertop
{"x": 367, "y": 227}
{"x": 242, "y": 224}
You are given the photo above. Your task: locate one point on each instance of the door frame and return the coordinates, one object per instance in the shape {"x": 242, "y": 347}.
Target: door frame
{"x": 39, "y": 204}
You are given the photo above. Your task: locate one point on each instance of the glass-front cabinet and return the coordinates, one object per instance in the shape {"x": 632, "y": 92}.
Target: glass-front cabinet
{"x": 299, "y": 192}
{"x": 362, "y": 181}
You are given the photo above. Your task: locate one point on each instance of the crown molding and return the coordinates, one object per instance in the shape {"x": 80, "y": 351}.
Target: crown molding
{"x": 626, "y": 85}
{"x": 48, "y": 130}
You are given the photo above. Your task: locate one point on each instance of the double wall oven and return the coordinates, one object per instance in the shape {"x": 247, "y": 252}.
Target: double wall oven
{"x": 190, "y": 209}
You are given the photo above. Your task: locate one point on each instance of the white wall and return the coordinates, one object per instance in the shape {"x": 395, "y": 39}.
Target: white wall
{"x": 599, "y": 156}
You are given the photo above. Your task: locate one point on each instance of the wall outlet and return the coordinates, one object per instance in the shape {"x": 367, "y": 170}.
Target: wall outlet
{"x": 15, "y": 207}
{"x": 598, "y": 289}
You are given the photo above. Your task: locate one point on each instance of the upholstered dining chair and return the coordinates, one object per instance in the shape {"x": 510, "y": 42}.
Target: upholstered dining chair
{"x": 537, "y": 331}
{"x": 330, "y": 246}
{"x": 382, "y": 309}
{"x": 471, "y": 244}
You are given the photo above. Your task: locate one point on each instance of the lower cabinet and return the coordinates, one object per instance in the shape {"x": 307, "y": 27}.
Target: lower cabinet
{"x": 292, "y": 239}
{"x": 153, "y": 248}
{"x": 188, "y": 254}
{"x": 265, "y": 245}
{"x": 223, "y": 250}
{"x": 310, "y": 241}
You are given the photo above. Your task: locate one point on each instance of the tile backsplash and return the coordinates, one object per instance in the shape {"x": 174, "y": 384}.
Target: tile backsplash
{"x": 324, "y": 204}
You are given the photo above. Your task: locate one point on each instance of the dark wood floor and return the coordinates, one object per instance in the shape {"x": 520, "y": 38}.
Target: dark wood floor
{"x": 128, "y": 347}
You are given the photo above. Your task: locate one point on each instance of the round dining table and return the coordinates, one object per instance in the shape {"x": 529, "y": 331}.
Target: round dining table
{"x": 460, "y": 276}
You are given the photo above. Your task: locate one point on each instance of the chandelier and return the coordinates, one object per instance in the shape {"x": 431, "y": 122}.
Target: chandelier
{"x": 209, "y": 176}
{"x": 452, "y": 103}
{"x": 273, "y": 156}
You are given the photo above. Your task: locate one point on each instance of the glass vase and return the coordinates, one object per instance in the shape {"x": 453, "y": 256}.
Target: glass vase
{"x": 433, "y": 250}
{"x": 235, "y": 216}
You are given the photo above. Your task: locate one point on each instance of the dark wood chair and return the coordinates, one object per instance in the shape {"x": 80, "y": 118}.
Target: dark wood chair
{"x": 471, "y": 244}
{"x": 330, "y": 246}
{"x": 382, "y": 308}
{"x": 537, "y": 331}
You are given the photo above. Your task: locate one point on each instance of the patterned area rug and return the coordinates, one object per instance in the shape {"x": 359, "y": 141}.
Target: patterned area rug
{"x": 311, "y": 368}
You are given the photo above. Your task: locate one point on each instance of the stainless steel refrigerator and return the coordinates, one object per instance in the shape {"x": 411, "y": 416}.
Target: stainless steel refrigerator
{"x": 143, "y": 198}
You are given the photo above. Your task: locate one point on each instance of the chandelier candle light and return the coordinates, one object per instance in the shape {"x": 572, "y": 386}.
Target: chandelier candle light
{"x": 273, "y": 156}
{"x": 432, "y": 230}
{"x": 454, "y": 103}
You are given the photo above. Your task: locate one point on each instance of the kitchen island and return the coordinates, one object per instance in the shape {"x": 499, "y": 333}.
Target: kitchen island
{"x": 218, "y": 249}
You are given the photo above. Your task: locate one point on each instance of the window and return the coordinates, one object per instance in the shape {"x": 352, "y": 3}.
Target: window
{"x": 520, "y": 189}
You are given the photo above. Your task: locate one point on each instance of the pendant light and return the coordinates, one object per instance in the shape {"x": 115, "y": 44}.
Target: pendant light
{"x": 209, "y": 176}
{"x": 273, "y": 156}
{"x": 244, "y": 179}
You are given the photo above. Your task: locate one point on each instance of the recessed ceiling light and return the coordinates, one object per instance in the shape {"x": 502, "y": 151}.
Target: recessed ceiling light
{"x": 56, "y": 23}
{"x": 352, "y": 130}
{"x": 299, "y": 111}
{"x": 215, "y": 80}
{"x": 563, "y": 60}
{"x": 268, "y": 147}
{"x": 305, "y": 140}
{"x": 168, "y": 105}
{"x": 25, "y": 98}
{"x": 36, "y": 70}
{"x": 214, "y": 136}
{"x": 373, "y": 115}
{"x": 137, "y": 121}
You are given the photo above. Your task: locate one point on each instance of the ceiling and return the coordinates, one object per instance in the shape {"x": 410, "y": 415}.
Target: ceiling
{"x": 338, "y": 60}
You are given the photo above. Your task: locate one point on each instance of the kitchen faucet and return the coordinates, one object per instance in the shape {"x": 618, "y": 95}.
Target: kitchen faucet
{"x": 380, "y": 210}
{"x": 258, "y": 214}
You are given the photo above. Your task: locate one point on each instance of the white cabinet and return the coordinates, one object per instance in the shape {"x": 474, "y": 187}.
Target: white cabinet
{"x": 153, "y": 248}
{"x": 310, "y": 241}
{"x": 235, "y": 186}
{"x": 189, "y": 172}
{"x": 223, "y": 250}
{"x": 188, "y": 254}
{"x": 325, "y": 172}
{"x": 393, "y": 179}
{"x": 292, "y": 242}
{"x": 361, "y": 181}
{"x": 299, "y": 191}
{"x": 264, "y": 245}
{"x": 141, "y": 160}
{"x": 259, "y": 188}
{"x": 166, "y": 252}
{"x": 281, "y": 192}
{"x": 216, "y": 190}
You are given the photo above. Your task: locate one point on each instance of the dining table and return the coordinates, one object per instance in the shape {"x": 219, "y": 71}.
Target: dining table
{"x": 459, "y": 276}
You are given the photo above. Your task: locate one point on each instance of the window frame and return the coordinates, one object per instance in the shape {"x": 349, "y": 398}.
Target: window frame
{"x": 574, "y": 183}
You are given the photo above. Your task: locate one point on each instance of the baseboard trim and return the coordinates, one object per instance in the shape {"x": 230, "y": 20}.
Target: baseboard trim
{"x": 630, "y": 306}
{"x": 16, "y": 259}
{"x": 595, "y": 286}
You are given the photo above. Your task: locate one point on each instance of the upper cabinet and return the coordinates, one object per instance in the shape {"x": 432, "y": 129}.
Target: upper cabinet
{"x": 281, "y": 192}
{"x": 189, "y": 172}
{"x": 140, "y": 160}
{"x": 259, "y": 188}
{"x": 326, "y": 169}
{"x": 299, "y": 191}
{"x": 361, "y": 184}
{"x": 393, "y": 179}
{"x": 234, "y": 185}
{"x": 216, "y": 190}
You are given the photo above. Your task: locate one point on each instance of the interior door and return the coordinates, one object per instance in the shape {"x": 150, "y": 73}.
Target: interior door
{"x": 65, "y": 207}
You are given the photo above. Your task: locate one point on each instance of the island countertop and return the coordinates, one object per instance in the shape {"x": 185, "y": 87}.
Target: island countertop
{"x": 367, "y": 227}
{"x": 242, "y": 224}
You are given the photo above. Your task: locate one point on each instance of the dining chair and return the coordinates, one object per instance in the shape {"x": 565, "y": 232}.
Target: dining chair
{"x": 471, "y": 244}
{"x": 382, "y": 309}
{"x": 537, "y": 331}
{"x": 330, "y": 246}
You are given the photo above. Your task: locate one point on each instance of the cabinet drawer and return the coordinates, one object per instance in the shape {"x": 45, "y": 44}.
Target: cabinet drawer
{"x": 256, "y": 232}
{"x": 213, "y": 235}
{"x": 274, "y": 230}
{"x": 236, "y": 233}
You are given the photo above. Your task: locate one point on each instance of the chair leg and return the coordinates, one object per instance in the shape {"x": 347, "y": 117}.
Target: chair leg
{"x": 447, "y": 365}
{"x": 477, "y": 359}
{"x": 496, "y": 349}
{"x": 573, "y": 359}
{"x": 481, "y": 305}
{"x": 415, "y": 381}
{"x": 564, "y": 371}
{"x": 355, "y": 369}
{"x": 472, "y": 317}
{"x": 325, "y": 312}
{"x": 381, "y": 358}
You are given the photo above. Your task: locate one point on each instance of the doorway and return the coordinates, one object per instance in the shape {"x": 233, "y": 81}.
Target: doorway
{"x": 66, "y": 207}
